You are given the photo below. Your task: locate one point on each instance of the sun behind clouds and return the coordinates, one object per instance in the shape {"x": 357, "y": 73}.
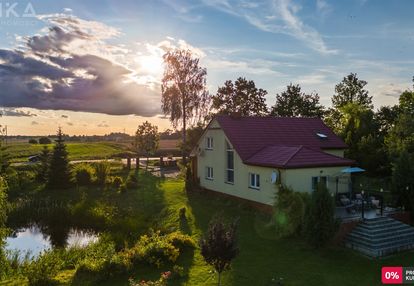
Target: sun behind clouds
{"x": 150, "y": 64}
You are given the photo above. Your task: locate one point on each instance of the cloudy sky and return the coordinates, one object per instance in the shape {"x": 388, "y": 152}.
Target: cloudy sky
{"x": 94, "y": 67}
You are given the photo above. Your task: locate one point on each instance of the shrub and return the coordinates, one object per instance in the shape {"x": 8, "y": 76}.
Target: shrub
{"x": 42, "y": 270}
{"x": 84, "y": 174}
{"x": 131, "y": 181}
{"x": 320, "y": 223}
{"x": 102, "y": 261}
{"x": 289, "y": 211}
{"x": 178, "y": 271}
{"x": 33, "y": 141}
{"x": 102, "y": 170}
{"x": 105, "y": 267}
{"x": 157, "y": 249}
{"x": 160, "y": 282}
{"x": 44, "y": 140}
{"x": 21, "y": 180}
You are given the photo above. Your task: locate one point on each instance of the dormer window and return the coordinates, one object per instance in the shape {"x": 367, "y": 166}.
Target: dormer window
{"x": 209, "y": 143}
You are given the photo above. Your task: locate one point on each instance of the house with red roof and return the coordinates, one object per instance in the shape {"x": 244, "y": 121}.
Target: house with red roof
{"x": 248, "y": 157}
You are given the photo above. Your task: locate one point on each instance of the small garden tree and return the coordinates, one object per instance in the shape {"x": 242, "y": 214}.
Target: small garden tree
{"x": 320, "y": 224}
{"x": 59, "y": 172}
{"x": 219, "y": 245}
{"x": 147, "y": 139}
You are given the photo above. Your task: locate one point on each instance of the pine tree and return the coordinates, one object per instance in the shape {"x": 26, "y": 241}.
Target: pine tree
{"x": 320, "y": 225}
{"x": 59, "y": 172}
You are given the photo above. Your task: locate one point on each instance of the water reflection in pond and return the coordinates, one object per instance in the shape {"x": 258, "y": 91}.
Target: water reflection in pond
{"x": 34, "y": 240}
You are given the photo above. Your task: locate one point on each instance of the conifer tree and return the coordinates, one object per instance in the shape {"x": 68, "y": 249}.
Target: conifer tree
{"x": 320, "y": 225}
{"x": 59, "y": 172}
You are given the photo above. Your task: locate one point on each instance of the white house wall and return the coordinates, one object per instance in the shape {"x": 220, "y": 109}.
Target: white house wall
{"x": 298, "y": 179}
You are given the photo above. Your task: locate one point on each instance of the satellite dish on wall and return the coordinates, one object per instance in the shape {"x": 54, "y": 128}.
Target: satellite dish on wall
{"x": 200, "y": 152}
{"x": 275, "y": 177}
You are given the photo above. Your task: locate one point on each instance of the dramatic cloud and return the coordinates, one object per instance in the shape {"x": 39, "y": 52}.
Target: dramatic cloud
{"x": 71, "y": 67}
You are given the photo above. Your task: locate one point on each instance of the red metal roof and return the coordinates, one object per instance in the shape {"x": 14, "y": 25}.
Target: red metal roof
{"x": 282, "y": 142}
{"x": 295, "y": 157}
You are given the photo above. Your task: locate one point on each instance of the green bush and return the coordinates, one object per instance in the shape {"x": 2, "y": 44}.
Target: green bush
{"x": 178, "y": 271}
{"x": 44, "y": 140}
{"x": 33, "y": 141}
{"x": 157, "y": 249}
{"x": 42, "y": 270}
{"x": 131, "y": 181}
{"x": 289, "y": 212}
{"x": 102, "y": 261}
{"x": 160, "y": 282}
{"x": 102, "y": 171}
{"x": 83, "y": 174}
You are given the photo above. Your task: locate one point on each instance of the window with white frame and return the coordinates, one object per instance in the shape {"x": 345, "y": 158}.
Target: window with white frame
{"x": 254, "y": 181}
{"x": 209, "y": 173}
{"x": 230, "y": 164}
{"x": 209, "y": 143}
{"x": 316, "y": 180}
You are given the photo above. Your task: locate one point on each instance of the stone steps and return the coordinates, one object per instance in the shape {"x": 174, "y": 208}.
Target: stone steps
{"x": 380, "y": 236}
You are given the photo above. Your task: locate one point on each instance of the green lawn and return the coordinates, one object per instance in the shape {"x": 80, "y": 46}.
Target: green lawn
{"x": 156, "y": 204}
{"x": 19, "y": 152}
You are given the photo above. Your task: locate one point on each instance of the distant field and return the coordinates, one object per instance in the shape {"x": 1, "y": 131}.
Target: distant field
{"x": 19, "y": 152}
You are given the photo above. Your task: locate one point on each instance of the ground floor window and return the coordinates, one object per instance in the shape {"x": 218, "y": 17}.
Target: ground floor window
{"x": 209, "y": 173}
{"x": 254, "y": 181}
{"x": 316, "y": 180}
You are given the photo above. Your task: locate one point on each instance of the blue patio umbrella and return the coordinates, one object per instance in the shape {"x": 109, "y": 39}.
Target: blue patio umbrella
{"x": 352, "y": 170}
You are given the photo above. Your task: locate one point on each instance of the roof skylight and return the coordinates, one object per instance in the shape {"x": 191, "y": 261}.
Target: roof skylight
{"x": 322, "y": 136}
